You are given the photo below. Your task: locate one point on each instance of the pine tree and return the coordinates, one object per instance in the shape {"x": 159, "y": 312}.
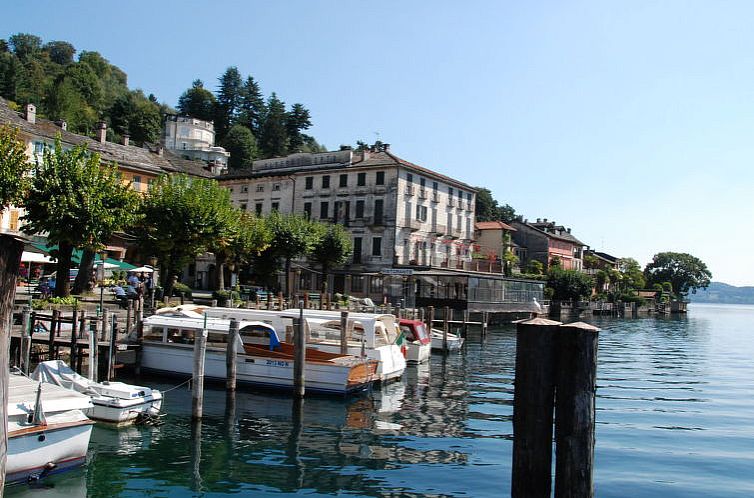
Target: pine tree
{"x": 242, "y": 146}
{"x": 197, "y": 102}
{"x": 297, "y": 119}
{"x": 252, "y": 108}
{"x": 273, "y": 138}
{"x": 228, "y": 101}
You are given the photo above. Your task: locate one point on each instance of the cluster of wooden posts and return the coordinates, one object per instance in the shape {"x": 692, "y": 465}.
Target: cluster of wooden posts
{"x": 556, "y": 367}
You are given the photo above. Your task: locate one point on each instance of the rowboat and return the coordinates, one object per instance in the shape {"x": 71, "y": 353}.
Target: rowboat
{"x": 454, "y": 341}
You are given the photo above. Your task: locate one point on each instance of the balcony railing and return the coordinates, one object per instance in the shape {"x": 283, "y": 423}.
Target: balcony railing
{"x": 409, "y": 190}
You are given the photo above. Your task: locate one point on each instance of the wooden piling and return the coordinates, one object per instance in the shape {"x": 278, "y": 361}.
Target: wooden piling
{"x": 26, "y": 340}
{"x": 445, "y": 326}
{"x": 76, "y": 366}
{"x": 485, "y": 321}
{"x": 74, "y": 338}
{"x": 112, "y": 347}
{"x": 299, "y": 356}
{"x": 197, "y": 388}
{"x": 213, "y": 303}
{"x": 465, "y": 327}
{"x": 575, "y": 411}
{"x": 231, "y": 356}
{"x": 269, "y": 300}
{"x": 129, "y": 307}
{"x": 53, "y": 326}
{"x": 93, "y": 349}
{"x": 280, "y": 301}
{"x": 430, "y": 320}
{"x": 533, "y": 403}
{"x": 140, "y": 321}
{"x": 344, "y": 332}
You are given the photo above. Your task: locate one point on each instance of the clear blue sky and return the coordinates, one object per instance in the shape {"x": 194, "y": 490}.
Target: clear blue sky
{"x": 630, "y": 122}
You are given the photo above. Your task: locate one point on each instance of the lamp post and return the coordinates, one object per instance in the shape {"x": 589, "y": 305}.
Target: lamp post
{"x": 101, "y": 279}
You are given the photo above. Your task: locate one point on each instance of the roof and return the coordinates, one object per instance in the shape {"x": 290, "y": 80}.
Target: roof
{"x": 605, "y": 256}
{"x": 558, "y": 231}
{"x": 493, "y": 225}
{"x": 126, "y": 156}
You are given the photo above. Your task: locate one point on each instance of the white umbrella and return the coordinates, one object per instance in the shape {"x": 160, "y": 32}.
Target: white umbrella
{"x": 35, "y": 257}
{"x": 108, "y": 266}
{"x": 142, "y": 269}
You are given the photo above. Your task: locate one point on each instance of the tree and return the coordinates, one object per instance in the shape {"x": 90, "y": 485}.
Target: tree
{"x": 273, "y": 138}
{"x": 632, "y": 276}
{"x": 244, "y": 237}
{"x": 242, "y": 147}
{"x": 252, "y": 107}
{"x": 332, "y": 248}
{"x": 292, "y": 236}
{"x": 535, "y": 267}
{"x": 569, "y": 285}
{"x": 197, "y": 102}
{"x": 228, "y": 101}
{"x": 60, "y": 52}
{"x": 488, "y": 209}
{"x": 25, "y": 45}
{"x": 13, "y": 185}
{"x": 182, "y": 217}
{"x": 684, "y": 272}
{"x": 296, "y": 120}
{"x": 78, "y": 202}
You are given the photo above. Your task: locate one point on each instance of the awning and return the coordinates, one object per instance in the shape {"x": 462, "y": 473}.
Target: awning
{"x": 35, "y": 257}
{"x": 76, "y": 257}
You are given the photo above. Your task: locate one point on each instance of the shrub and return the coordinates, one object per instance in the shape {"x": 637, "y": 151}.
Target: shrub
{"x": 179, "y": 288}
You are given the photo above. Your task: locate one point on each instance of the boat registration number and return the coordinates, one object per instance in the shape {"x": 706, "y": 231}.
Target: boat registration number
{"x": 277, "y": 363}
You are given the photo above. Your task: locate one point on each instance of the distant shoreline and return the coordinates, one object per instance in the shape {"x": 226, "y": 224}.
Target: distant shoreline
{"x": 722, "y": 293}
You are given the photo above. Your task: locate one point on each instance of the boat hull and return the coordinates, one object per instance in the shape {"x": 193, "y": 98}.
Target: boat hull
{"x": 391, "y": 364}
{"x": 124, "y": 411}
{"x": 46, "y": 450}
{"x": 454, "y": 341}
{"x": 417, "y": 352}
{"x": 256, "y": 371}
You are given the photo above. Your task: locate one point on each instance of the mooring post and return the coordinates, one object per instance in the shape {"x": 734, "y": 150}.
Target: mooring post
{"x": 465, "y": 322}
{"x": 280, "y": 301}
{"x": 533, "y": 403}
{"x": 78, "y": 355}
{"x": 575, "y": 413}
{"x": 111, "y": 347}
{"x": 485, "y": 321}
{"x": 213, "y": 303}
{"x": 197, "y": 391}
{"x": 53, "y": 325}
{"x": 299, "y": 354}
{"x": 93, "y": 346}
{"x": 445, "y": 326}
{"x": 129, "y": 307}
{"x": 74, "y": 327}
{"x": 26, "y": 341}
{"x": 397, "y": 311}
{"x": 344, "y": 332}
{"x": 269, "y": 300}
{"x": 231, "y": 356}
{"x": 140, "y": 320}
{"x": 306, "y": 300}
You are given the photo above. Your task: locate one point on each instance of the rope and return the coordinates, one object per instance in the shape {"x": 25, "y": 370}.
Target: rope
{"x": 179, "y": 385}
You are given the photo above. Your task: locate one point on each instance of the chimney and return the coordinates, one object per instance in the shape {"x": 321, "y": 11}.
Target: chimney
{"x": 101, "y": 132}
{"x": 568, "y": 230}
{"x": 160, "y": 150}
{"x": 545, "y": 220}
{"x": 64, "y": 125}
{"x": 31, "y": 113}
{"x": 386, "y": 147}
{"x": 126, "y": 138}
{"x": 539, "y": 220}
{"x": 364, "y": 154}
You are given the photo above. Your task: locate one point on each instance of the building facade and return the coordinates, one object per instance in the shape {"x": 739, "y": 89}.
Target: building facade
{"x": 193, "y": 138}
{"x": 544, "y": 241}
{"x": 398, "y": 213}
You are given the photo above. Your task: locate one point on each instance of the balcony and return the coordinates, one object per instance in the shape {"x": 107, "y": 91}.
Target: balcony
{"x": 414, "y": 225}
{"x": 422, "y": 193}
{"x": 439, "y": 229}
{"x": 435, "y": 197}
{"x": 451, "y": 202}
{"x": 409, "y": 190}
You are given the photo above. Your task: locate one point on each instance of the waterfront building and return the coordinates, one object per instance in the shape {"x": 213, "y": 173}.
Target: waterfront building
{"x": 492, "y": 240}
{"x": 544, "y": 241}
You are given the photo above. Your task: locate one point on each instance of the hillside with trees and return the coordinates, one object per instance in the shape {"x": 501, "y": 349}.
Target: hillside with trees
{"x": 719, "y": 292}
{"x": 84, "y": 88}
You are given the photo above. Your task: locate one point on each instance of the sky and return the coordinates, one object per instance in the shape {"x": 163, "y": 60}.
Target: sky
{"x": 629, "y": 121}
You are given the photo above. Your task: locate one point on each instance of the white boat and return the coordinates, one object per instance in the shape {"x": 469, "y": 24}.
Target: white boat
{"x": 114, "y": 402}
{"x": 47, "y": 429}
{"x": 455, "y": 341}
{"x": 372, "y": 334}
{"x": 264, "y": 360}
{"x": 417, "y": 342}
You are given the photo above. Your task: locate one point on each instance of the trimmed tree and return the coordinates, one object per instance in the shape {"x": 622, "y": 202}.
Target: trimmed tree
{"x": 242, "y": 145}
{"x": 684, "y": 271}
{"x": 332, "y": 248}
{"x": 183, "y": 216}
{"x": 13, "y": 185}
{"x": 79, "y": 203}
{"x": 569, "y": 285}
{"x": 243, "y": 236}
{"x": 292, "y": 236}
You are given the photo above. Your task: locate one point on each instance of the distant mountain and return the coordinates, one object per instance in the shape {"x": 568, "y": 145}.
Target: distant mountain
{"x": 719, "y": 292}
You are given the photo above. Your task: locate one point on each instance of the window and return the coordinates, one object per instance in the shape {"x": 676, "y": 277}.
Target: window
{"x": 378, "y": 208}
{"x": 258, "y": 208}
{"x": 359, "y": 209}
{"x": 260, "y": 188}
{"x": 380, "y": 179}
{"x": 308, "y": 210}
{"x": 361, "y": 179}
{"x": 421, "y": 213}
{"x": 409, "y": 178}
{"x": 309, "y": 182}
{"x": 275, "y": 206}
{"x": 323, "y": 210}
{"x": 408, "y": 211}
{"x": 376, "y": 246}
{"x": 326, "y": 181}
{"x": 450, "y": 191}
{"x": 243, "y": 207}
{"x": 230, "y": 190}
{"x": 422, "y": 182}
{"x": 468, "y": 196}
{"x": 450, "y": 222}
{"x": 137, "y": 182}
{"x": 357, "y": 249}
{"x": 434, "y": 186}
{"x": 275, "y": 187}
{"x": 343, "y": 181}
{"x": 244, "y": 189}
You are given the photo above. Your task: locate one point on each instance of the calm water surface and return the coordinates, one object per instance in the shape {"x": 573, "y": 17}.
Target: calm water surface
{"x": 675, "y": 419}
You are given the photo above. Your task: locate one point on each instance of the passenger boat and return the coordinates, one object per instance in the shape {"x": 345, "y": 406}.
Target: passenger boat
{"x": 47, "y": 429}
{"x": 373, "y": 335}
{"x": 417, "y": 341}
{"x": 455, "y": 341}
{"x": 114, "y": 402}
{"x": 264, "y": 361}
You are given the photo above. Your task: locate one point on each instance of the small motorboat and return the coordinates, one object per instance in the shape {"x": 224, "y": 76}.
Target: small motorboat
{"x": 48, "y": 431}
{"x": 455, "y": 341}
{"x": 416, "y": 341}
{"x": 114, "y": 402}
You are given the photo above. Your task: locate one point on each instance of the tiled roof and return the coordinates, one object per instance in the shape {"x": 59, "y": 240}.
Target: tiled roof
{"x": 492, "y": 225}
{"x": 386, "y": 158}
{"x": 561, "y": 233}
{"x": 126, "y": 156}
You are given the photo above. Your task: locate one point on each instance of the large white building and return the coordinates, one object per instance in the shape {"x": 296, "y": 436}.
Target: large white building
{"x": 194, "y": 139}
{"x": 397, "y": 212}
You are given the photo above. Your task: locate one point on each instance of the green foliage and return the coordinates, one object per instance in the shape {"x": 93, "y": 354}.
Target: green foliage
{"x": 296, "y": 120}
{"x": 242, "y": 145}
{"x": 488, "y": 209}
{"x": 14, "y": 167}
{"x": 252, "y": 108}
{"x": 332, "y": 247}
{"x": 181, "y": 289}
{"x": 273, "y": 137}
{"x": 683, "y": 271}
{"x": 197, "y": 102}
{"x": 78, "y": 202}
{"x": 535, "y": 267}
{"x": 228, "y": 101}
{"x": 548, "y": 292}
{"x": 555, "y": 262}
{"x": 55, "y": 302}
{"x": 569, "y": 285}
{"x": 591, "y": 261}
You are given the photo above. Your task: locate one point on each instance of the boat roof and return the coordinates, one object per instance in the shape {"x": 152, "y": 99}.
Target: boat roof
{"x": 333, "y": 315}
{"x": 22, "y": 396}
{"x": 198, "y": 323}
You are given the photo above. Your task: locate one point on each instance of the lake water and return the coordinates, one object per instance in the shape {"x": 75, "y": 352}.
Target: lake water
{"x": 675, "y": 419}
